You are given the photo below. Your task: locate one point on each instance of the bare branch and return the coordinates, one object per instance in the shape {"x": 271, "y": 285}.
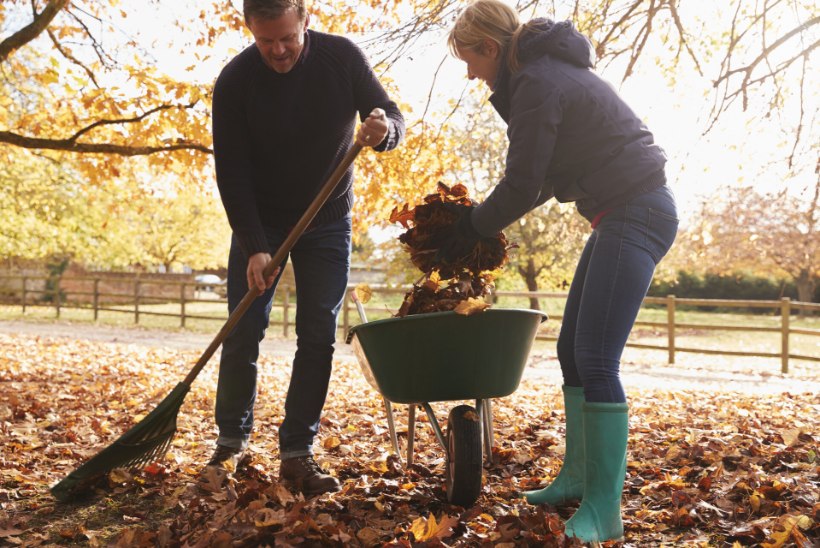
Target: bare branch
{"x": 96, "y": 148}
{"x": 749, "y": 69}
{"x": 617, "y": 26}
{"x": 132, "y": 120}
{"x": 67, "y": 54}
{"x": 639, "y": 43}
{"x": 32, "y": 30}
{"x": 673, "y": 8}
{"x": 72, "y": 145}
{"x": 95, "y": 45}
{"x": 801, "y": 117}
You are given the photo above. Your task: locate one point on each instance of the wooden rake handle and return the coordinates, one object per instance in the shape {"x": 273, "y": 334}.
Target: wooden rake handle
{"x": 277, "y": 259}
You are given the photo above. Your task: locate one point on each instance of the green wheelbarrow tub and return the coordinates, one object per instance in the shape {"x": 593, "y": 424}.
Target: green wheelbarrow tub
{"x": 445, "y": 356}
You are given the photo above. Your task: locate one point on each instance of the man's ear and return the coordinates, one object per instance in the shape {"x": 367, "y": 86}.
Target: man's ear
{"x": 307, "y": 22}
{"x": 490, "y": 49}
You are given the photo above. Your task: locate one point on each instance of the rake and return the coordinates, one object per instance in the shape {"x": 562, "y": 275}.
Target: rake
{"x": 148, "y": 440}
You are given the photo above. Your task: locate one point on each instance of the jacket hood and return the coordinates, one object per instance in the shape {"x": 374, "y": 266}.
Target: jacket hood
{"x": 543, "y": 37}
{"x": 558, "y": 39}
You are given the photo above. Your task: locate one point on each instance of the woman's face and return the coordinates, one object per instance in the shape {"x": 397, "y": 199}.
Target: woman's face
{"x": 482, "y": 64}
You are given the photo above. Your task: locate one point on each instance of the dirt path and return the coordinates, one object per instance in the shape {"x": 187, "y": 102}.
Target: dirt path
{"x": 640, "y": 370}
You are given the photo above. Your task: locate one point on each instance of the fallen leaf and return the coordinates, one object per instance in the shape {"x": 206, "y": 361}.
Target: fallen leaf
{"x": 363, "y": 293}
{"x": 471, "y": 306}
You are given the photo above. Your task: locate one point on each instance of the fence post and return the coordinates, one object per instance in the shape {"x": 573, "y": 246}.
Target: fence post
{"x": 785, "y": 318}
{"x": 285, "y": 306}
{"x": 182, "y": 304}
{"x": 670, "y": 326}
{"x": 96, "y": 298}
{"x": 24, "y": 294}
{"x": 137, "y": 300}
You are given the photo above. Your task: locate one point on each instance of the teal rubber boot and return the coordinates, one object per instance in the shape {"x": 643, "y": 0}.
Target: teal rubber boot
{"x": 605, "y": 432}
{"x": 568, "y": 485}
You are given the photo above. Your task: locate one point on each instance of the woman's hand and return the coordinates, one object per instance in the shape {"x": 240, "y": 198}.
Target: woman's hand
{"x": 457, "y": 240}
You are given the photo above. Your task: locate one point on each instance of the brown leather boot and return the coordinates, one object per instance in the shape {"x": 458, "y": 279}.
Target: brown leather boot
{"x": 305, "y": 475}
{"x": 227, "y": 458}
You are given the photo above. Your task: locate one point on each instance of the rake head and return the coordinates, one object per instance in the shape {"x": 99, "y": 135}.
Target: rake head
{"x": 145, "y": 442}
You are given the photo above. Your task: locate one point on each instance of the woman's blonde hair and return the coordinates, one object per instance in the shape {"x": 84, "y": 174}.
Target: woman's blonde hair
{"x": 488, "y": 20}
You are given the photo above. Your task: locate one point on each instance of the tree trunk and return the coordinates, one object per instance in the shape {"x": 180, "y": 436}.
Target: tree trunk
{"x": 806, "y": 285}
{"x": 532, "y": 284}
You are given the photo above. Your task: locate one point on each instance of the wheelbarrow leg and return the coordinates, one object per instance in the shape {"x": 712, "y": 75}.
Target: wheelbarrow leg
{"x": 485, "y": 411}
{"x": 391, "y": 426}
{"x": 436, "y": 428}
{"x": 411, "y": 433}
{"x": 488, "y": 425}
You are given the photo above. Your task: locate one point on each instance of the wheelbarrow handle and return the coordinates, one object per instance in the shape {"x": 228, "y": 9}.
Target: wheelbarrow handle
{"x": 359, "y": 307}
{"x": 278, "y": 257}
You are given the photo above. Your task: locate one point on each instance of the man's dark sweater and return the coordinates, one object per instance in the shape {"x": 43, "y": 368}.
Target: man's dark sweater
{"x": 278, "y": 137}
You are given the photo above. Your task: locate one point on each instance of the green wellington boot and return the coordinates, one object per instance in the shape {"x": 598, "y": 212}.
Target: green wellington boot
{"x": 605, "y": 433}
{"x": 568, "y": 486}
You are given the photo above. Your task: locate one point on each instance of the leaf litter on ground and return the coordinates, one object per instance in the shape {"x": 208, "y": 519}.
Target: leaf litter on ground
{"x": 705, "y": 469}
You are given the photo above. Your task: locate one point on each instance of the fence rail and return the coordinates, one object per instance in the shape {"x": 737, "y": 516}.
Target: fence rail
{"x": 53, "y": 294}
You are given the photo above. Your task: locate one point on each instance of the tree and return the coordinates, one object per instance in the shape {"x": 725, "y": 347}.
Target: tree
{"x": 550, "y": 240}
{"x": 757, "y": 52}
{"x": 183, "y": 227}
{"x": 75, "y": 82}
{"x": 71, "y": 88}
{"x": 772, "y": 234}
{"x": 47, "y": 213}
{"x": 80, "y": 91}
{"x": 403, "y": 175}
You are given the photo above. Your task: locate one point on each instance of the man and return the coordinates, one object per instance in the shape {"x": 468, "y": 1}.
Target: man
{"x": 284, "y": 114}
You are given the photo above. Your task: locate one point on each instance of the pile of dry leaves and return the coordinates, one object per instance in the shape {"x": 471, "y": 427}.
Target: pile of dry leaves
{"x": 458, "y": 285}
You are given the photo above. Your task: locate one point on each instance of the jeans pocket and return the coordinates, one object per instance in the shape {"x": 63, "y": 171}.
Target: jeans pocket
{"x": 661, "y": 233}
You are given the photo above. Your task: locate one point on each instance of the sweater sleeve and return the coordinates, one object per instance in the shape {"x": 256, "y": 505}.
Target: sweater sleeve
{"x": 370, "y": 94}
{"x": 535, "y": 113}
{"x": 233, "y": 163}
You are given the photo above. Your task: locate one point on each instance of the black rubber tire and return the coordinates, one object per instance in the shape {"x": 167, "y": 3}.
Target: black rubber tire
{"x": 464, "y": 468}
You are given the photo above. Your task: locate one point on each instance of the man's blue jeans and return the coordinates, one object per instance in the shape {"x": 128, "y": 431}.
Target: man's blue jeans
{"x": 321, "y": 262}
{"x": 610, "y": 282}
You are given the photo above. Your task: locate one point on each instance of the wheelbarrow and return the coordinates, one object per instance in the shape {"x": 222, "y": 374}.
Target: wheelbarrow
{"x": 445, "y": 356}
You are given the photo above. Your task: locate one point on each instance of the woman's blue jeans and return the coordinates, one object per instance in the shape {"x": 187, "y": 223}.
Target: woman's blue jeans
{"x": 321, "y": 262}
{"x": 610, "y": 282}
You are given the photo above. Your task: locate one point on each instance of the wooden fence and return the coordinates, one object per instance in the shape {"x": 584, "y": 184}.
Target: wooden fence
{"x": 24, "y": 295}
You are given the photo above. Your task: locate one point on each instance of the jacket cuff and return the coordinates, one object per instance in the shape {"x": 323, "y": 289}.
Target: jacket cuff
{"x": 390, "y": 140}
{"x": 252, "y": 243}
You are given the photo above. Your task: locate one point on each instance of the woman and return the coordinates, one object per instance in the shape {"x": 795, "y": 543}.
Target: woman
{"x": 573, "y": 138}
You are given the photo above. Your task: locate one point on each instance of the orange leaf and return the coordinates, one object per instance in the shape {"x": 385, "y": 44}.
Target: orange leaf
{"x": 363, "y": 293}
{"x": 427, "y": 529}
{"x": 403, "y": 216}
{"x": 471, "y": 306}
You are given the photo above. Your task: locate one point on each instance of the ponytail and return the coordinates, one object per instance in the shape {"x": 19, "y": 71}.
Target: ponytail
{"x": 513, "y": 61}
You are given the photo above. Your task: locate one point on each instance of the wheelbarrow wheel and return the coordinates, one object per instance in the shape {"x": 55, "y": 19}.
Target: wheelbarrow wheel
{"x": 464, "y": 467}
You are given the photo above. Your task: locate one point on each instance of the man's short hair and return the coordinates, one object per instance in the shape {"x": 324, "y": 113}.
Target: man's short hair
{"x": 271, "y": 9}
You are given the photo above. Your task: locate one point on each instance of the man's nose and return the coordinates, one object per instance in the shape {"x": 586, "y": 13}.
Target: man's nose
{"x": 278, "y": 49}
{"x": 470, "y": 75}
